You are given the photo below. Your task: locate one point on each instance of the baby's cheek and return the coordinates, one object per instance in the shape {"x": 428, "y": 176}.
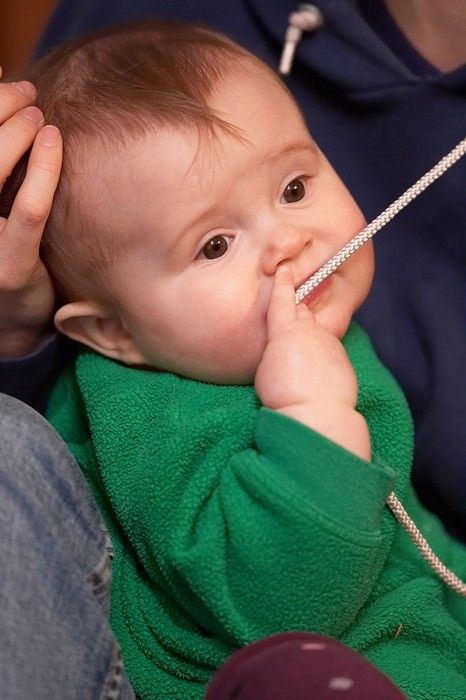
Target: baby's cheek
{"x": 236, "y": 344}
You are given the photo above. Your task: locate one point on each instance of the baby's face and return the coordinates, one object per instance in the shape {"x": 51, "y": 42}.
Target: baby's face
{"x": 206, "y": 222}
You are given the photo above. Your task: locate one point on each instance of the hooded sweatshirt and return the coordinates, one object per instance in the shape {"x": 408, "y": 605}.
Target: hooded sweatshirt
{"x": 231, "y": 522}
{"x": 383, "y": 116}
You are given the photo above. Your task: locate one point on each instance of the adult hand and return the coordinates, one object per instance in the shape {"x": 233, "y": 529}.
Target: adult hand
{"x": 26, "y": 291}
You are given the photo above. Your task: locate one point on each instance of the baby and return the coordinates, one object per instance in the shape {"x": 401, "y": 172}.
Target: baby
{"x": 240, "y": 447}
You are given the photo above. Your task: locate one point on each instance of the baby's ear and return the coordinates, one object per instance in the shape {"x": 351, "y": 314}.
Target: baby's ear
{"x": 99, "y": 328}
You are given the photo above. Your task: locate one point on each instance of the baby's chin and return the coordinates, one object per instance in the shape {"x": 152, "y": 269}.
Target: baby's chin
{"x": 335, "y": 322}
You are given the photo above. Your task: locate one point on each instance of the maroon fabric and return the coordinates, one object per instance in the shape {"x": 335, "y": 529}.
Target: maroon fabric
{"x": 299, "y": 666}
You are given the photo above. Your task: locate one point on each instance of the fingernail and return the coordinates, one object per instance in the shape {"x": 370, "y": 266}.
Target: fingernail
{"x": 26, "y": 88}
{"x": 283, "y": 270}
{"x": 33, "y": 113}
{"x": 49, "y": 135}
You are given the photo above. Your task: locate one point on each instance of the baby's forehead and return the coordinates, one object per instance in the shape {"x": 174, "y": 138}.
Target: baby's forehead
{"x": 108, "y": 173}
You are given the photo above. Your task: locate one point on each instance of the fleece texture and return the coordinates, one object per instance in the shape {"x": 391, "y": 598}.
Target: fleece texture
{"x": 231, "y": 522}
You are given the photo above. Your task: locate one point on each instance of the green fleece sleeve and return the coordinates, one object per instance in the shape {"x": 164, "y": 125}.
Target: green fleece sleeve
{"x": 286, "y": 535}
{"x": 248, "y": 520}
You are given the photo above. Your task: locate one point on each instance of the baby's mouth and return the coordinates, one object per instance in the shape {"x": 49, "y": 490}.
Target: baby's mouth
{"x": 317, "y": 295}
{"x": 305, "y": 279}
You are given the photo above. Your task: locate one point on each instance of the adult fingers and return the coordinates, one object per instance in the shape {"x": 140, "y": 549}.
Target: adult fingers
{"x": 16, "y": 136}
{"x": 282, "y": 308}
{"x": 15, "y": 96}
{"x": 20, "y": 238}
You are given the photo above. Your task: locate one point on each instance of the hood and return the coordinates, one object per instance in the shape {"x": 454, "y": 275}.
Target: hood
{"x": 345, "y": 51}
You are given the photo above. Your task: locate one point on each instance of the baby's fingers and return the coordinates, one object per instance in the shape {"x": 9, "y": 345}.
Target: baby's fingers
{"x": 303, "y": 313}
{"x": 282, "y": 308}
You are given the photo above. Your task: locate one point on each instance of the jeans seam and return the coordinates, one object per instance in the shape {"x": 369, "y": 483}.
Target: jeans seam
{"x": 99, "y": 578}
{"x": 113, "y": 682}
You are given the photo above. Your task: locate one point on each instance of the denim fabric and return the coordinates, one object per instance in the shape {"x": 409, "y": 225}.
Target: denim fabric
{"x": 55, "y": 639}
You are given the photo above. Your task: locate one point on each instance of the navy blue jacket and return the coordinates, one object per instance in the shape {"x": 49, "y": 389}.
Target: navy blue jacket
{"x": 382, "y": 122}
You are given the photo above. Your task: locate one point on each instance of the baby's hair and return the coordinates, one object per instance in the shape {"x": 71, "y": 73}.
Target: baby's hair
{"x": 109, "y": 88}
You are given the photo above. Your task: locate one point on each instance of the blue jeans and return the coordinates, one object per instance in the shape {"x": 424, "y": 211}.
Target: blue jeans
{"x": 55, "y": 639}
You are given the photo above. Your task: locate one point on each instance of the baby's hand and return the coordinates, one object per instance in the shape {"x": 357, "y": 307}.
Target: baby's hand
{"x": 305, "y": 372}
{"x": 303, "y": 362}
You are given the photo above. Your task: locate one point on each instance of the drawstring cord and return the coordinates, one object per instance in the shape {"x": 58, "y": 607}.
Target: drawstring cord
{"x": 308, "y": 18}
{"x": 381, "y": 220}
{"x": 423, "y": 546}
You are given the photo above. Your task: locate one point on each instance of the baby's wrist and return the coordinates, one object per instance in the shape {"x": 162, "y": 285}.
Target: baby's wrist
{"x": 336, "y": 421}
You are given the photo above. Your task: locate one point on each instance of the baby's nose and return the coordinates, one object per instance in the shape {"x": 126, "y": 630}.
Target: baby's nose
{"x": 284, "y": 245}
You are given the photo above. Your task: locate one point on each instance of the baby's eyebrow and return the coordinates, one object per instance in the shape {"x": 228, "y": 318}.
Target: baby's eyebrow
{"x": 301, "y": 147}
{"x": 189, "y": 230}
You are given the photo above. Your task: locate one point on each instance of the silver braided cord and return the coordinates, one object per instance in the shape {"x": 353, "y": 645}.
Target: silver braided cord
{"x": 381, "y": 220}
{"x": 421, "y": 543}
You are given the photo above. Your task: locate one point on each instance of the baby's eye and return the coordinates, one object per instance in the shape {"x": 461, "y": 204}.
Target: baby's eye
{"x": 294, "y": 191}
{"x": 216, "y": 247}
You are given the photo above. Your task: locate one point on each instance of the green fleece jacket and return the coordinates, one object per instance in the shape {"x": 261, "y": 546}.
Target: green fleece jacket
{"x": 231, "y": 522}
